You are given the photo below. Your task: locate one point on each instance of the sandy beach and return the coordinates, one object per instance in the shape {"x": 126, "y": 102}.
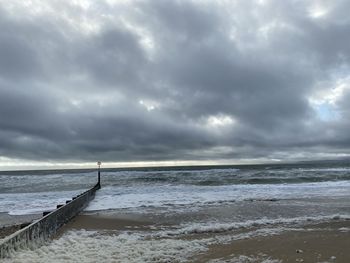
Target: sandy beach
{"x": 325, "y": 242}
{"x": 269, "y": 215}
{"x": 174, "y": 131}
{"x": 318, "y": 243}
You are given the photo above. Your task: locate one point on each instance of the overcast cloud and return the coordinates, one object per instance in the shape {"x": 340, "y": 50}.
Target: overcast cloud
{"x": 174, "y": 80}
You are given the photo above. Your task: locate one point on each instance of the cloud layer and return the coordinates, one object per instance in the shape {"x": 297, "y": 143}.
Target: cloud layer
{"x": 174, "y": 80}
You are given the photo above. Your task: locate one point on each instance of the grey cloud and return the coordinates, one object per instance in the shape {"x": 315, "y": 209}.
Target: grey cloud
{"x": 67, "y": 94}
{"x": 190, "y": 21}
{"x": 114, "y": 57}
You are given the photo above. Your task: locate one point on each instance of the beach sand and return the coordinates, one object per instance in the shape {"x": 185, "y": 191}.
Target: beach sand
{"x": 323, "y": 242}
{"x": 329, "y": 242}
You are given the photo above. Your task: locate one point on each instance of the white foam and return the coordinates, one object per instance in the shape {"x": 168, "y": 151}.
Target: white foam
{"x": 113, "y": 197}
{"x": 156, "y": 188}
{"x": 32, "y": 203}
{"x": 92, "y": 246}
{"x": 344, "y": 229}
{"x": 130, "y": 189}
{"x": 89, "y": 246}
{"x": 160, "y": 245}
{"x": 326, "y": 169}
{"x": 246, "y": 259}
{"x": 170, "y": 196}
{"x": 219, "y": 227}
{"x": 179, "y": 171}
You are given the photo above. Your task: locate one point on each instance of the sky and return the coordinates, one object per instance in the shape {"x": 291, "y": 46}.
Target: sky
{"x": 173, "y": 82}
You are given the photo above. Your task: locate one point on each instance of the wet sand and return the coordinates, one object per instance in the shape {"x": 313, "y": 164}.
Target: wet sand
{"x": 326, "y": 242}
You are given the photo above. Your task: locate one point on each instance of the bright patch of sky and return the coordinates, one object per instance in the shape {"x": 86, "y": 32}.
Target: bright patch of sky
{"x": 220, "y": 120}
{"x": 325, "y": 99}
{"x": 326, "y": 112}
{"x": 149, "y": 105}
{"x": 319, "y": 8}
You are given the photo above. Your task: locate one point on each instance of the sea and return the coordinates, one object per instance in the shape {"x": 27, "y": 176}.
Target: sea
{"x": 209, "y": 204}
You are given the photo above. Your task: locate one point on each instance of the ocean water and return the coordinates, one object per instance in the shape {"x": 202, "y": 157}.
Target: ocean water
{"x": 227, "y": 202}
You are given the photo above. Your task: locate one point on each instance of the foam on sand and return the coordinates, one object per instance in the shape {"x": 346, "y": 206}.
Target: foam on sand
{"x": 91, "y": 246}
{"x": 277, "y": 223}
{"x": 211, "y": 241}
{"x": 246, "y": 259}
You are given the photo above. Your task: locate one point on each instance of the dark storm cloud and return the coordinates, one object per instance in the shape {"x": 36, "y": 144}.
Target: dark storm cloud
{"x": 178, "y": 80}
{"x": 113, "y": 57}
{"x": 18, "y": 59}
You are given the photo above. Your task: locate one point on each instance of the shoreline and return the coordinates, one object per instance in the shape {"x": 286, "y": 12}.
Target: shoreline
{"x": 314, "y": 242}
{"x": 92, "y": 222}
{"x": 325, "y": 242}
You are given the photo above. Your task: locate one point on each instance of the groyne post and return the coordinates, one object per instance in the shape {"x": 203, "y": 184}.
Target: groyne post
{"x": 99, "y": 173}
{"x": 42, "y": 229}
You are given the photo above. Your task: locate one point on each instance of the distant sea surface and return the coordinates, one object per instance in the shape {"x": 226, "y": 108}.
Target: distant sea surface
{"x": 205, "y": 199}
{"x": 28, "y": 192}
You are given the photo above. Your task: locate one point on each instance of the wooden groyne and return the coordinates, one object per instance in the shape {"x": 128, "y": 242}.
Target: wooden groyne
{"x": 40, "y": 230}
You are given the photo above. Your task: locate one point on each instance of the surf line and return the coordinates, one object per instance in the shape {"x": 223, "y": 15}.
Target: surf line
{"x": 42, "y": 229}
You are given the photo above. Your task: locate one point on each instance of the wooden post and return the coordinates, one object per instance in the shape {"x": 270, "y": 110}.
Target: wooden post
{"x": 99, "y": 174}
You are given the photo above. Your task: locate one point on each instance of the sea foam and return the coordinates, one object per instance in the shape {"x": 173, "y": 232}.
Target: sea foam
{"x": 90, "y": 246}
{"x": 273, "y": 223}
{"x": 113, "y": 197}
